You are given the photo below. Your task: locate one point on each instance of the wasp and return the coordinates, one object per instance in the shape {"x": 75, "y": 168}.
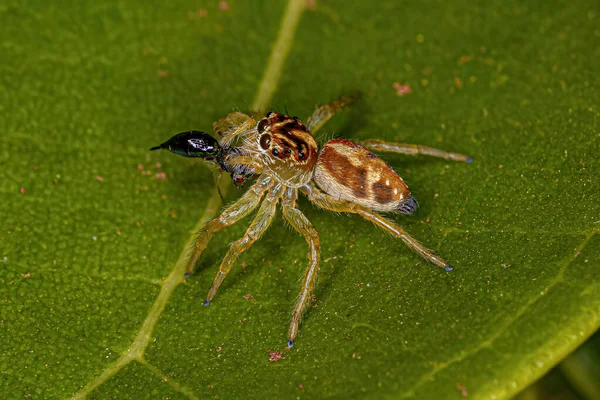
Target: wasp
{"x": 282, "y": 154}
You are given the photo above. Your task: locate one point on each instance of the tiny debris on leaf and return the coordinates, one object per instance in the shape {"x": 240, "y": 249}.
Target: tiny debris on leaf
{"x": 402, "y": 90}
{"x": 274, "y": 356}
{"x": 248, "y": 296}
{"x": 463, "y": 390}
{"x": 22, "y": 190}
{"x": 99, "y": 178}
{"x": 223, "y": 6}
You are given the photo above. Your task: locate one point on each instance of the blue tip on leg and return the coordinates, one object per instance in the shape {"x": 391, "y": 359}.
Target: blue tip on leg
{"x": 206, "y": 303}
{"x": 448, "y": 268}
{"x": 290, "y": 344}
{"x": 187, "y": 275}
{"x": 469, "y": 159}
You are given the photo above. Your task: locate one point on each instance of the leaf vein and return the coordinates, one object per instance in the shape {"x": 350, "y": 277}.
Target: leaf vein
{"x": 488, "y": 343}
{"x": 172, "y": 383}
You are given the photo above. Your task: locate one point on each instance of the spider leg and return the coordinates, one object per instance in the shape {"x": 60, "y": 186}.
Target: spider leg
{"x": 232, "y": 125}
{"x": 246, "y": 160}
{"x": 238, "y": 210}
{"x": 229, "y": 122}
{"x": 257, "y": 228}
{"x": 303, "y": 226}
{"x": 330, "y": 203}
{"x": 327, "y": 111}
{"x": 412, "y": 149}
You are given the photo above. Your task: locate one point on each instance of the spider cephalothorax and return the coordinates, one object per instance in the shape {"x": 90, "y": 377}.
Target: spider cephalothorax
{"x": 285, "y": 148}
{"x": 280, "y": 150}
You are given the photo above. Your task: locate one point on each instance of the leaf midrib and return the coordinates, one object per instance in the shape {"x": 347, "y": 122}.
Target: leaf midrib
{"x": 267, "y": 88}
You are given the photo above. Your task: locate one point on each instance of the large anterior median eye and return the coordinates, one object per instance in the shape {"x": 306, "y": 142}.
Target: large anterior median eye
{"x": 262, "y": 125}
{"x": 265, "y": 141}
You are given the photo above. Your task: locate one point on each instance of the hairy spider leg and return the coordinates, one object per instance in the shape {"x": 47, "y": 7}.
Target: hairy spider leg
{"x": 324, "y": 113}
{"x": 257, "y": 228}
{"x": 412, "y": 149}
{"x": 229, "y": 122}
{"x": 330, "y": 203}
{"x": 246, "y": 160}
{"x": 303, "y": 226}
{"x": 235, "y": 124}
{"x": 238, "y": 210}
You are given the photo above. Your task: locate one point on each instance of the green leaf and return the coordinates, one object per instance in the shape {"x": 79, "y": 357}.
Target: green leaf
{"x": 94, "y": 228}
{"x": 576, "y": 377}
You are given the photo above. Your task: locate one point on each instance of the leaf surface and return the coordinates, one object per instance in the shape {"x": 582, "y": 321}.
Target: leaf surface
{"x": 94, "y": 227}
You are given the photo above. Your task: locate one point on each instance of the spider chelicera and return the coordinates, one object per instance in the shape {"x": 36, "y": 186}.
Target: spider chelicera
{"x": 282, "y": 153}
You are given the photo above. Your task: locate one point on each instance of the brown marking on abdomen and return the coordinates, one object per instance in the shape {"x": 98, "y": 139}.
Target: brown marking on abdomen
{"x": 348, "y": 171}
{"x": 382, "y": 193}
{"x": 344, "y": 172}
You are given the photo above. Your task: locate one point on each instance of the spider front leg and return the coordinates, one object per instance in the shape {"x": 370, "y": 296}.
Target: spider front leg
{"x": 246, "y": 160}
{"x": 327, "y": 111}
{"x": 257, "y": 228}
{"x": 232, "y": 125}
{"x": 330, "y": 203}
{"x": 303, "y": 226}
{"x": 412, "y": 149}
{"x": 229, "y": 122}
{"x": 238, "y": 210}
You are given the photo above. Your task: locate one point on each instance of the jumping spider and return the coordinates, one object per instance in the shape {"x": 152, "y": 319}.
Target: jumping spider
{"x": 280, "y": 150}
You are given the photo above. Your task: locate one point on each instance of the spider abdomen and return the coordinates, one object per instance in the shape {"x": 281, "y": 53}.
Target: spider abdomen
{"x": 348, "y": 171}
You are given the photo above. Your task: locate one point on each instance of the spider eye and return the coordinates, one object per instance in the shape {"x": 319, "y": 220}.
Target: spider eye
{"x": 288, "y": 151}
{"x": 269, "y": 114}
{"x": 275, "y": 152}
{"x": 262, "y": 125}
{"x": 300, "y": 155}
{"x": 265, "y": 141}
